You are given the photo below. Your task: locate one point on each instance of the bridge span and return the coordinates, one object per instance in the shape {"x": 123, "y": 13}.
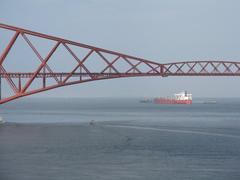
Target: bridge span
{"x": 91, "y": 64}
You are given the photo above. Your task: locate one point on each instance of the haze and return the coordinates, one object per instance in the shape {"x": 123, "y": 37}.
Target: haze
{"x": 161, "y": 31}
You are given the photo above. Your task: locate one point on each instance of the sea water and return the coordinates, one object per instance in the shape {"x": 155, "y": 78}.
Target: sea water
{"x": 119, "y": 138}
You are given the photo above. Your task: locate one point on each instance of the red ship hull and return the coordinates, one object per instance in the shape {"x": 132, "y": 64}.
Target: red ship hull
{"x": 171, "y": 101}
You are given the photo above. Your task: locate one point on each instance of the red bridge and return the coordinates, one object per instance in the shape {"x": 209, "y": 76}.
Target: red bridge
{"x": 87, "y": 59}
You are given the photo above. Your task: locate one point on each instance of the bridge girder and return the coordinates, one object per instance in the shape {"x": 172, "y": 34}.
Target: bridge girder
{"x": 114, "y": 65}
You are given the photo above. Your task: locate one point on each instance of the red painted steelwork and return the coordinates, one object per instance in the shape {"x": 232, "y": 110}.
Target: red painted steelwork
{"x": 133, "y": 66}
{"x": 170, "y": 101}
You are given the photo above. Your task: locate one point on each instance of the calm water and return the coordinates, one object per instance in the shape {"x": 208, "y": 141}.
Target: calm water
{"x": 52, "y": 139}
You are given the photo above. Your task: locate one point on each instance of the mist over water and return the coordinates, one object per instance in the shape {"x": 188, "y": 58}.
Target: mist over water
{"x": 55, "y": 139}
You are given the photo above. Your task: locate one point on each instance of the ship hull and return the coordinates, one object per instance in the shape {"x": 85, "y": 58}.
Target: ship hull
{"x": 171, "y": 101}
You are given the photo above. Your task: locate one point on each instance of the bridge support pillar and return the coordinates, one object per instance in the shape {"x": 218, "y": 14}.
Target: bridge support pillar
{"x": 161, "y": 69}
{"x": 19, "y": 84}
{"x": 44, "y": 77}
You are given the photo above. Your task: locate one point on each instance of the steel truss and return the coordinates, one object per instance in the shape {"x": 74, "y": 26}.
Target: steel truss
{"x": 133, "y": 67}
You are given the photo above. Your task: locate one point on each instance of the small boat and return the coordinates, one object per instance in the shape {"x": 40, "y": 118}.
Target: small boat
{"x": 146, "y": 100}
{"x": 210, "y": 102}
{"x": 1, "y": 120}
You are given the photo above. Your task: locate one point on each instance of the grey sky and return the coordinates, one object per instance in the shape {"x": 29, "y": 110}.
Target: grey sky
{"x": 162, "y": 31}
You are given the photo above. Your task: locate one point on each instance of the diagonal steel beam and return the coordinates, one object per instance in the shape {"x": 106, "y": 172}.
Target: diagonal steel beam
{"x": 111, "y": 64}
{"x": 8, "y": 48}
{"x": 80, "y": 62}
{"x": 38, "y": 55}
{"x": 44, "y": 62}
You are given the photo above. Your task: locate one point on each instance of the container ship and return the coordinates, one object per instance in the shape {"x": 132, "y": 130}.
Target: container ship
{"x": 180, "y": 98}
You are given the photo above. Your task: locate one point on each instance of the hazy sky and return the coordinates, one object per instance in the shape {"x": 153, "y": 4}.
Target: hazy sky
{"x": 162, "y": 31}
